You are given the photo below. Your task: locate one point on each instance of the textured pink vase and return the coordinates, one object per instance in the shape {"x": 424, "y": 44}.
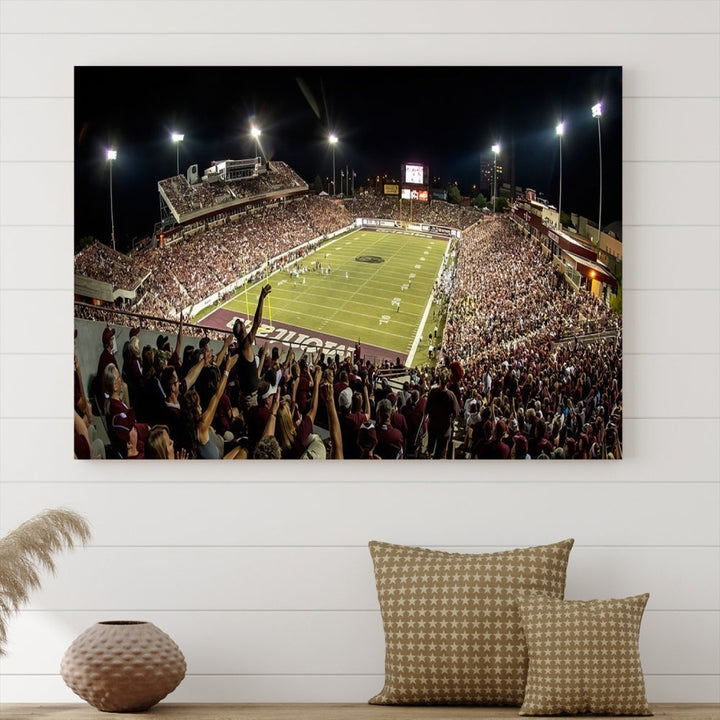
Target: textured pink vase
{"x": 123, "y": 666}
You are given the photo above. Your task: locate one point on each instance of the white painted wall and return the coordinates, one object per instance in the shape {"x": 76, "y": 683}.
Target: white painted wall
{"x": 263, "y": 576}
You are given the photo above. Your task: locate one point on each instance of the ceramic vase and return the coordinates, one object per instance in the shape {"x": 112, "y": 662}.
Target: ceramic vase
{"x": 123, "y": 666}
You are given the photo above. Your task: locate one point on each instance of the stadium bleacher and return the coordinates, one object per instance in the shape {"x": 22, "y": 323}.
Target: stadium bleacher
{"x": 505, "y": 306}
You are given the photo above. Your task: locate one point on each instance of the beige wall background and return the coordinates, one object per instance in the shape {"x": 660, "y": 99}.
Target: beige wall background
{"x": 262, "y": 575}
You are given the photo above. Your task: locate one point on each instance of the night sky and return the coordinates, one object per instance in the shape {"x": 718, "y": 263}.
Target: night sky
{"x": 445, "y": 117}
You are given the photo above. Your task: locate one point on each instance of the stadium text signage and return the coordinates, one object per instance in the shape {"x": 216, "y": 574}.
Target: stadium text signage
{"x": 293, "y": 338}
{"x": 412, "y": 194}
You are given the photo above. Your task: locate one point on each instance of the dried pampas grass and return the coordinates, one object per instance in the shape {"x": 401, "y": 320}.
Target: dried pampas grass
{"x": 30, "y": 548}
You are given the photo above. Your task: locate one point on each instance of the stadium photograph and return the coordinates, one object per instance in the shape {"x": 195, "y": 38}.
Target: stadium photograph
{"x": 348, "y": 263}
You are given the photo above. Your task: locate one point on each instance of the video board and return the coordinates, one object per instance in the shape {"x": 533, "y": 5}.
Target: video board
{"x": 415, "y": 174}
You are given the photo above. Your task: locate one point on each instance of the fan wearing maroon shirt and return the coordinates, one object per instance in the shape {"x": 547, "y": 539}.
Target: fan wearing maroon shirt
{"x": 413, "y": 411}
{"x": 293, "y": 430}
{"x": 390, "y": 441}
{"x": 397, "y": 419}
{"x": 354, "y": 411}
{"x": 107, "y": 357}
{"x": 305, "y": 384}
{"x": 442, "y": 407}
{"x": 341, "y": 384}
{"x": 258, "y": 415}
{"x": 130, "y": 434}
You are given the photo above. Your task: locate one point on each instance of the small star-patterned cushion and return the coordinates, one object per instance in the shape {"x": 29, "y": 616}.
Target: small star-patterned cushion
{"x": 452, "y": 624}
{"x": 584, "y": 656}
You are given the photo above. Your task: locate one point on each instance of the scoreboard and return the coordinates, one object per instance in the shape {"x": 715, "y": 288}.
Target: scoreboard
{"x": 414, "y": 174}
{"x": 415, "y": 179}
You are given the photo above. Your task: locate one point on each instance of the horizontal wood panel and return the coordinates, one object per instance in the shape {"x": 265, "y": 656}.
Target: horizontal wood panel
{"x": 23, "y": 313}
{"x": 660, "y": 447}
{"x": 41, "y": 130}
{"x": 340, "y": 578}
{"x": 36, "y": 129}
{"x": 683, "y": 321}
{"x": 653, "y": 386}
{"x": 502, "y": 512}
{"x": 37, "y": 258}
{"x": 53, "y": 182}
{"x": 670, "y": 258}
{"x": 648, "y": 457}
{"x": 671, "y": 385}
{"x": 315, "y": 688}
{"x": 662, "y": 65}
{"x": 671, "y": 129}
{"x": 368, "y": 16}
{"x": 346, "y": 643}
{"x": 645, "y": 183}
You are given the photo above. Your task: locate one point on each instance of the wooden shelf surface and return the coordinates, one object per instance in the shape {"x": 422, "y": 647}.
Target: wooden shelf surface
{"x": 319, "y": 711}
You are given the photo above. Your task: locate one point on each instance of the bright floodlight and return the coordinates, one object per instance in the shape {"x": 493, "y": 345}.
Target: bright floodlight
{"x": 177, "y": 137}
{"x": 560, "y": 127}
{"x": 496, "y": 148}
{"x": 255, "y": 132}
{"x": 333, "y": 142}
{"x": 597, "y": 110}
{"x": 112, "y": 154}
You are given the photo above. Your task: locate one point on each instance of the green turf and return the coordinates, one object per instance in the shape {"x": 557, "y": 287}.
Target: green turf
{"x": 361, "y": 305}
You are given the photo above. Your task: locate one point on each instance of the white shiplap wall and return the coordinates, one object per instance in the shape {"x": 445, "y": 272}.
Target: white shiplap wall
{"x": 263, "y": 576}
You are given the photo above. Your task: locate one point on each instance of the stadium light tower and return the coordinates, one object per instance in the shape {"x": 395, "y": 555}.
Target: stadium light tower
{"x": 333, "y": 140}
{"x": 177, "y": 138}
{"x": 256, "y": 132}
{"x": 559, "y": 129}
{"x": 597, "y": 113}
{"x": 496, "y": 150}
{"x": 111, "y": 155}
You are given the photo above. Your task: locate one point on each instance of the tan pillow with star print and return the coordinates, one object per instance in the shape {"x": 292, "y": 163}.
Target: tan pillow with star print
{"x": 584, "y": 656}
{"x": 452, "y": 625}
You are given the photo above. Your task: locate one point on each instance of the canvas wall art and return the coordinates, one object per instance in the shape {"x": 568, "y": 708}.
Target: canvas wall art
{"x": 348, "y": 262}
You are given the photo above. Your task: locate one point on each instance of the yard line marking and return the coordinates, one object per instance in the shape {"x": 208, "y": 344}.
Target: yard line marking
{"x": 320, "y": 292}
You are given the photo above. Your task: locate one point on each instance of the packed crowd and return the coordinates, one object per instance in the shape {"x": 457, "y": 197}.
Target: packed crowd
{"x": 186, "y": 198}
{"x": 503, "y": 292}
{"x": 506, "y": 384}
{"x": 436, "y": 212}
{"x": 518, "y": 395}
{"x": 188, "y": 271}
{"x": 100, "y": 262}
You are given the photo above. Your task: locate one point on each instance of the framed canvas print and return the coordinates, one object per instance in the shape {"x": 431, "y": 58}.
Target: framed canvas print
{"x": 348, "y": 263}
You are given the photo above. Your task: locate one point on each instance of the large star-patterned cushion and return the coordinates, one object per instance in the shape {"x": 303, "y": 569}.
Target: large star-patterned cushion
{"x": 584, "y": 656}
{"x": 452, "y": 625}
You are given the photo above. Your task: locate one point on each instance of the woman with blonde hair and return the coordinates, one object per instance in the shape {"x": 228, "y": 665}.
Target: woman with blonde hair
{"x": 159, "y": 445}
{"x": 293, "y": 430}
{"x": 113, "y": 387}
{"x": 132, "y": 368}
{"x": 285, "y": 430}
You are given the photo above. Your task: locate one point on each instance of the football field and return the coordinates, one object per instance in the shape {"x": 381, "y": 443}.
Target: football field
{"x": 377, "y": 291}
